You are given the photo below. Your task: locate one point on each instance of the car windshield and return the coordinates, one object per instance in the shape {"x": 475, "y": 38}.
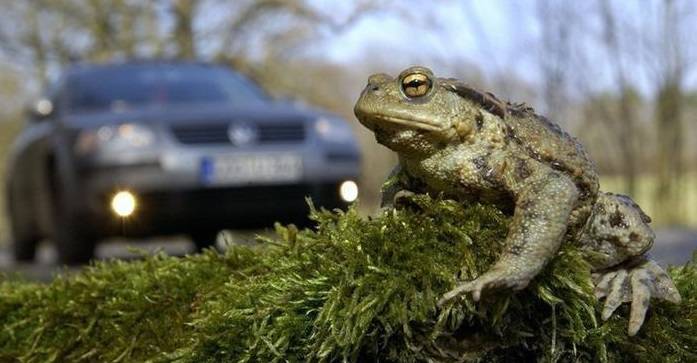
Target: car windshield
{"x": 130, "y": 86}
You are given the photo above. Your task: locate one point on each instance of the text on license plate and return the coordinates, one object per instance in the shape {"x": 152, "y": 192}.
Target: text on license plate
{"x": 251, "y": 168}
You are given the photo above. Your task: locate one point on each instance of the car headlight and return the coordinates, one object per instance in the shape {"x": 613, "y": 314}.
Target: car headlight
{"x": 333, "y": 130}
{"x": 348, "y": 191}
{"x": 115, "y": 138}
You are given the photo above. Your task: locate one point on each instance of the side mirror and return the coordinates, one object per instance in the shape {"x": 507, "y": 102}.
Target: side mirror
{"x": 41, "y": 110}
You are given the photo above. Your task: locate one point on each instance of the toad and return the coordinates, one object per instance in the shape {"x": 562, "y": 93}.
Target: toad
{"x": 468, "y": 145}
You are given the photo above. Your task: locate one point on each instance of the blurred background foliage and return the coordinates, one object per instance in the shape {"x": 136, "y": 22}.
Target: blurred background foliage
{"x": 618, "y": 75}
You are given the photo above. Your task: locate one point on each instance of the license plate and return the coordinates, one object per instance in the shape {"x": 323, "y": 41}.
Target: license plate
{"x": 251, "y": 168}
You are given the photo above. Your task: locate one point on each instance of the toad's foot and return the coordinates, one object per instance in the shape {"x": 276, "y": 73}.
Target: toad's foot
{"x": 637, "y": 284}
{"x": 493, "y": 279}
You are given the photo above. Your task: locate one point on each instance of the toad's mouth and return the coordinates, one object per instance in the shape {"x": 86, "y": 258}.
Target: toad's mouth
{"x": 410, "y": 123}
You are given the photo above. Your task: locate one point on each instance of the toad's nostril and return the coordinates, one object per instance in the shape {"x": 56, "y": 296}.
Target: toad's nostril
{"x": 373, "y": 87}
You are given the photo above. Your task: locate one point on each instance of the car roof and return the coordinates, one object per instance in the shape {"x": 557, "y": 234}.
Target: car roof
{"x": 79, "y": 68}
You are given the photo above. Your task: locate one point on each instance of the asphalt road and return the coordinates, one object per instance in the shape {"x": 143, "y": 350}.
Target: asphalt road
{"x": 46, "y": 267}
{"x": 672, "y": 246}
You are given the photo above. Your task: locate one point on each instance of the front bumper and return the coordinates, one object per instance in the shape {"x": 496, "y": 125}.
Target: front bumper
{"x": 172, "y": 198}
{"x": 185, "y": 211}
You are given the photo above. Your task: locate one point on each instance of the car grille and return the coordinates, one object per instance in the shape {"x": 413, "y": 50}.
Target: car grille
{"x": 218, "y": 134}
{"x": 281, "y": 133}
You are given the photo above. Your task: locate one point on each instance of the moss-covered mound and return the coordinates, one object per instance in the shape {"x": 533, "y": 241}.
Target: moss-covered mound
{"x": 353, "y": 289}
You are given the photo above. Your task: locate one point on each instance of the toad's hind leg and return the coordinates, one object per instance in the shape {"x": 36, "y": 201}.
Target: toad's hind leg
{"x": 615, "y": 240}
{"x": 617, "y": 231}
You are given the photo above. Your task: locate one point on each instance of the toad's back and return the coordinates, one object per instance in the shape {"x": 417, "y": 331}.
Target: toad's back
{"x": 542, "y": 139}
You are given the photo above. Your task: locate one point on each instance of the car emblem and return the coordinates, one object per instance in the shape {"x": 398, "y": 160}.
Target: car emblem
{"x": 242, "y": 134}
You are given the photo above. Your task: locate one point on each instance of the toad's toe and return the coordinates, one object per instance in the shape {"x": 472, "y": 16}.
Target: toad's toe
{"x": 495, "y": 278}
{"x": 663, "y": 285}
{"x": 602, "y": 283}
{"x": 618, "y": 293}
{"x": 641, "y": 294}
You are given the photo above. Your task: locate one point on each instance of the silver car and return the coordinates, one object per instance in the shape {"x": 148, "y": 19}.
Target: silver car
{"x": 153, "y": 148}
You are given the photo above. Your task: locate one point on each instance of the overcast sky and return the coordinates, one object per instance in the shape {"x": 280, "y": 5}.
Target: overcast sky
{"x": 440, "y": 30}
{"x": 498, "y": 36}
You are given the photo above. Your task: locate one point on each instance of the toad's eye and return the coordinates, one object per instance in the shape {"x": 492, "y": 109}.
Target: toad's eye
{"x": 416, "y": 85}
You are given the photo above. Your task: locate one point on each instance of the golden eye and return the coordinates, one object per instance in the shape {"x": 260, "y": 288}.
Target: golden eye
{"x": 416, "y": 84}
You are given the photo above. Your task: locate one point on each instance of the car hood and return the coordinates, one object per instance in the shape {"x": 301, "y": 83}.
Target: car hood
{"x": 200, "y": 113}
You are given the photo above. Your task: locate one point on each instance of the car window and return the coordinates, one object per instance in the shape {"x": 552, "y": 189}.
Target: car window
{"x": 126, "y": 87}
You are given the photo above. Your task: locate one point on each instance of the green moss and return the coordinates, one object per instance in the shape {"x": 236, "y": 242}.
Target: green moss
{"x": 354, "y": 289}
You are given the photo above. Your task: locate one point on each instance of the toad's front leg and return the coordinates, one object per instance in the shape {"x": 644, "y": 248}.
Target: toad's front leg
{"x": 539, "y": 223}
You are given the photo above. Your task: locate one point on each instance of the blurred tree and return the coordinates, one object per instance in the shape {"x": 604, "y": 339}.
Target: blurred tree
{"x": 51, "y": 34}
{"x": 100, "y": 23}
{"x": 624, "y": 124}
{"x": 620, "y": 52}
{"x": 603, "y": 126}
{"x": 262, "y": 34}
{"x": 35, "y": 42}
{"x": 671, "y": 68}
{"x": 557, "y": 25}
{"x": 184, "y": 13}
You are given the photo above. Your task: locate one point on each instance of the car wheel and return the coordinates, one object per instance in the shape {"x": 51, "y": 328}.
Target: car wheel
{"x": 204, "y": 239}
{"x": 24, "y": 244}
{"x": 24, "y": 250}
{"x": 74, "y": 242}
{"x": 74, "y": 247}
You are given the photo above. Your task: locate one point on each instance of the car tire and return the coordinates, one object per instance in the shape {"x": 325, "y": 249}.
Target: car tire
{"x": 74, "y": 247}
{"x": 24, "y": 243}
{"x": 24, "y": 250}
{"x": 204, "y": 239}
{"x": 75, "y": 244}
